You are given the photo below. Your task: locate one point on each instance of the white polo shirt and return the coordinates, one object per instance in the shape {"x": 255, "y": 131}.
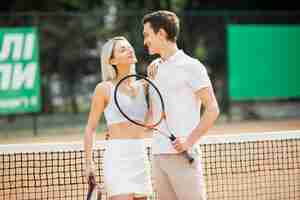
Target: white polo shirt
{"x": 178, "y": 78}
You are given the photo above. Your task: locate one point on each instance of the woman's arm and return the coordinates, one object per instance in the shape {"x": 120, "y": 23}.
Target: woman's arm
{"x": 97, "y": 107}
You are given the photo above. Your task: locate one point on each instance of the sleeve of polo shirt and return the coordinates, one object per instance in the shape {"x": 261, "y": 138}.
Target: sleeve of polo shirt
{"x": 197, "y": 76}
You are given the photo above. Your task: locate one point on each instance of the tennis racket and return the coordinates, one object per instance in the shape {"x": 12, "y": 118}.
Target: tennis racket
{"x": 123, "y": 103}
{"x": 94, "y": 190}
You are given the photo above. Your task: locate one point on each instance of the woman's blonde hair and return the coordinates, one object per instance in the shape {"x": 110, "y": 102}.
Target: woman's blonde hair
{"x": 109, "y": 72}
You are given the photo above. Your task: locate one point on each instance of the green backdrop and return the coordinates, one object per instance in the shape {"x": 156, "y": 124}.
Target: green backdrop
{"x": 263, "y": 62}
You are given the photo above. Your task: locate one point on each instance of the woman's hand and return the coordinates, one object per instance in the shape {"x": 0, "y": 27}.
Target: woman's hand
{"x": 152, "y": 69}
{"x": 90, "y": 170}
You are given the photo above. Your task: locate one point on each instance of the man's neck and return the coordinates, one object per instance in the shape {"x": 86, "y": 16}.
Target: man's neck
{"x": 168, "y": 50}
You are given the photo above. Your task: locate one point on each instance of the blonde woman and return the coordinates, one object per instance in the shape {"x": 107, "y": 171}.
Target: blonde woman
{"x": 126, "y": 175}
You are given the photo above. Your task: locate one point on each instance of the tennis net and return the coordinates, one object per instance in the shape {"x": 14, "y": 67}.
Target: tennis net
{"x": 261, "y": 166}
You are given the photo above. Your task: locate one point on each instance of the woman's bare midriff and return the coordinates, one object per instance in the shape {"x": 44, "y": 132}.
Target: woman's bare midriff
{"x": 127, "y": 130}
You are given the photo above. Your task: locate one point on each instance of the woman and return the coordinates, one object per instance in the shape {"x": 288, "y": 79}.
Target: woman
{"x": 126, "y": 174}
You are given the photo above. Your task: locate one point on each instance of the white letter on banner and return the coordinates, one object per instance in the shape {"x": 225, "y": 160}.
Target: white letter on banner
{"x": 26, "y": 76}
{"x": 5, "y": 74}
{"x": 28, "y": 47}
{"x": 9, "y": 40}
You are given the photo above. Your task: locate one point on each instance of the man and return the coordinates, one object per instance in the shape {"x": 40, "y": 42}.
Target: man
{"x": 185, "y": 86}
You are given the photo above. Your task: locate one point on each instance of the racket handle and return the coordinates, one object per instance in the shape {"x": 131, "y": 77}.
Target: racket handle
{"x": 185, "y": 153}
{"x": 188, "y": 157}
{"x": 91, "y": 186}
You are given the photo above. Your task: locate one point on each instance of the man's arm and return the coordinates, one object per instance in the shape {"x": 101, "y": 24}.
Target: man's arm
{"x": 211, "y": 112}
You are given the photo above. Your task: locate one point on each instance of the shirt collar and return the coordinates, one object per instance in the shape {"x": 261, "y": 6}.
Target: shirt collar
{"x": 173, "y": 57}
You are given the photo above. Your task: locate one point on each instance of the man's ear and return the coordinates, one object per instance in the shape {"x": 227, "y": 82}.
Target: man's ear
{"x": 162, "y": 33}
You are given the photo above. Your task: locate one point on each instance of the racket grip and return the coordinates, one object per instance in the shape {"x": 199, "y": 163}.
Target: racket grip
{"x": 185, "y": 153}
{"x": 91, "y": 186}
{"x": 188, "y": 157}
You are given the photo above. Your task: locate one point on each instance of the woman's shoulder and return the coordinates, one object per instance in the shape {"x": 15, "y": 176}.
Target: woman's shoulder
{"x": 104, "y": 84}
{"x": 103, "y": 88}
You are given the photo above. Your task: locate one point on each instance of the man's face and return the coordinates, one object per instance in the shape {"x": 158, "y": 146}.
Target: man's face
{"x": 151, "y": 39}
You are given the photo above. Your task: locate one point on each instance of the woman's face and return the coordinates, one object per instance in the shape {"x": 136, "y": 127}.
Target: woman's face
{"x": 123, "y": 53}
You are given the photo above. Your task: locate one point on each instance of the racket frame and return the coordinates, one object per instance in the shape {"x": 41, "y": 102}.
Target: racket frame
{"x": 170, "y": 136}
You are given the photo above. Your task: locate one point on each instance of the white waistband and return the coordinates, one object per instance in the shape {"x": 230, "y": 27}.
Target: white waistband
{"x": 125, "y": 146}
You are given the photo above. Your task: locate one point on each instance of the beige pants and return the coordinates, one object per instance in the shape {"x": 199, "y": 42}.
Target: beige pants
{"x": 176, "y": 179}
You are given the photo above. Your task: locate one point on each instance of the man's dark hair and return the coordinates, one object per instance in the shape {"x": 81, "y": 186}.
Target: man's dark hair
{"x": 166, "y": 20}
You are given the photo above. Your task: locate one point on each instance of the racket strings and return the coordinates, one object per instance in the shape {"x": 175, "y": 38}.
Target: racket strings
{"x": 129, "y": 90}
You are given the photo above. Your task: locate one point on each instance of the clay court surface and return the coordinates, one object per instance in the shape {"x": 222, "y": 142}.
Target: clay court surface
{"x": 76, "y": 134}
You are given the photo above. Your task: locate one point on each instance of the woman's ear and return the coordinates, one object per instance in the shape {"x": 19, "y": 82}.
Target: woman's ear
{"x": 113, "y": 61}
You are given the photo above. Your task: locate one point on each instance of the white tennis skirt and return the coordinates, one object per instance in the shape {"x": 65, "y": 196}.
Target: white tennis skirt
{"x": 126, "y": 168}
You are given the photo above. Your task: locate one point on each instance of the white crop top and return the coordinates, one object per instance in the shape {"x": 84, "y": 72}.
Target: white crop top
{"x": 134, "y": 107}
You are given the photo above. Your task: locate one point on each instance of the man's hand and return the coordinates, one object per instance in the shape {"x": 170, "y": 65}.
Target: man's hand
{"x": 180, "y": 146}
